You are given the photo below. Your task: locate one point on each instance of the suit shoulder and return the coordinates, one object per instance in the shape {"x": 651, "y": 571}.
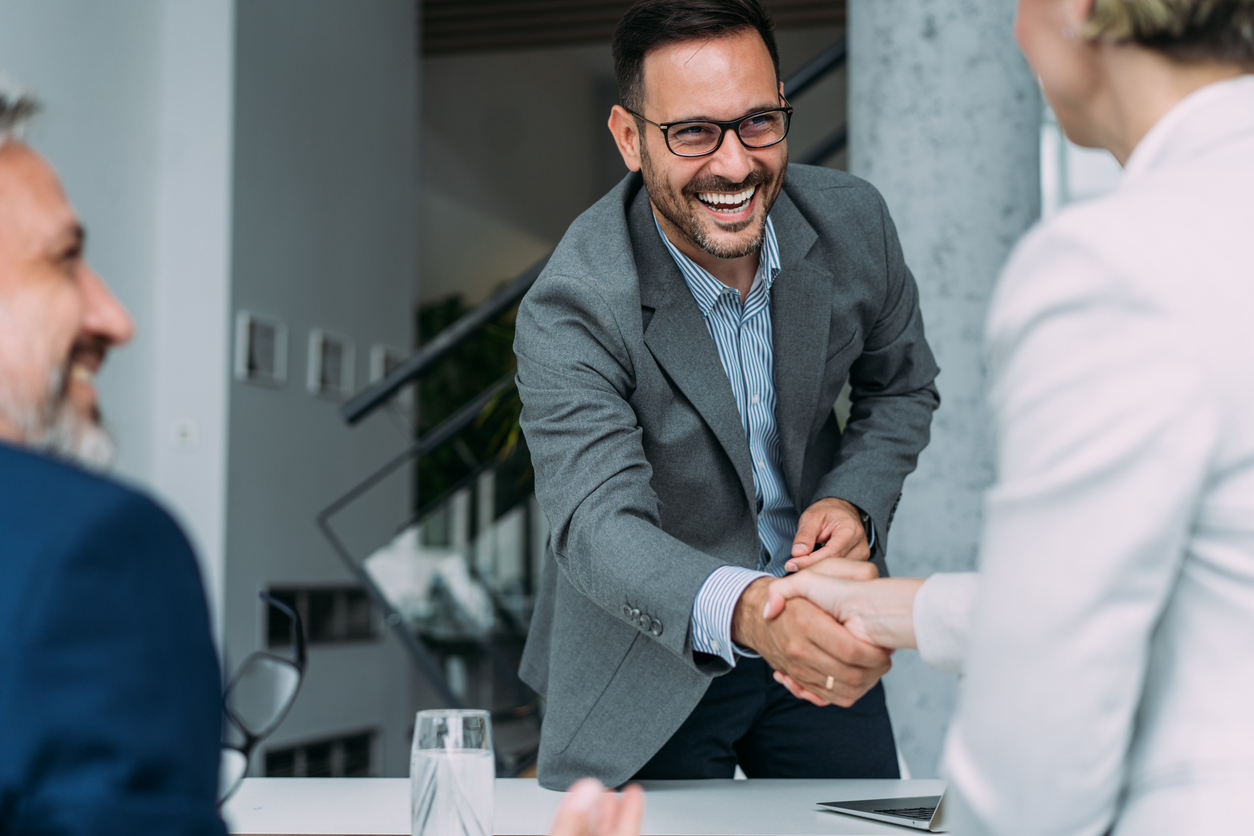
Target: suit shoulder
{"x": 598, "y": 239}
{"x": 811, "y": 183}
{"x": 593, "y": 264}
{"x": 838, "y": 205}
{"x": 49, "y": 505}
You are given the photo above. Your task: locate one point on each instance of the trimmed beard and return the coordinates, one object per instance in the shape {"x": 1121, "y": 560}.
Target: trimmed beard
{"x": 686, "y": 220}
{"x": 58, "y": 428}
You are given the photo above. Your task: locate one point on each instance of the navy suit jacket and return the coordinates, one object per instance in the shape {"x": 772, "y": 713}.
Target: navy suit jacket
{"x": 110, "y": 695}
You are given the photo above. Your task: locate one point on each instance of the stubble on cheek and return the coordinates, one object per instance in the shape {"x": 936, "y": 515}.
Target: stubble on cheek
{"x": 688, "y": 216}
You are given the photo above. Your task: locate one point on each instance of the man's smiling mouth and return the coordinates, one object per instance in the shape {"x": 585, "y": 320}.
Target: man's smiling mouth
{"x": 727, "y": 203}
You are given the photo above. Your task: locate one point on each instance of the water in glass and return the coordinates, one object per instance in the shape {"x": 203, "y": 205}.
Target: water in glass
{"x": 452, "y": 774}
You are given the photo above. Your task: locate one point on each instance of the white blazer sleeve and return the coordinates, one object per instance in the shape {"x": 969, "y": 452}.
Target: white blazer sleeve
{"x": 943, "y": 608}
{"x": 1104, "y": 424}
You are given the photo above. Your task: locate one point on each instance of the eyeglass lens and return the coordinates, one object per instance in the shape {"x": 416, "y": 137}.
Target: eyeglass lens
{"x": 689, "y": 139}
{"x": 261, "y": 692}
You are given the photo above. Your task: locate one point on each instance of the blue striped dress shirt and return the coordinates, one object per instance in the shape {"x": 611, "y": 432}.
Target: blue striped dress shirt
{"x": 742, "y": 335}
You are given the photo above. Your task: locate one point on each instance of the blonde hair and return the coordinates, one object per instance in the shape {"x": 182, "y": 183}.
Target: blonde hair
{"x": 1189, "y": 30}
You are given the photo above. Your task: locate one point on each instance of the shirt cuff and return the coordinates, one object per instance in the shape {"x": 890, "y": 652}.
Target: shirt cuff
{"x": 713, "y": 609}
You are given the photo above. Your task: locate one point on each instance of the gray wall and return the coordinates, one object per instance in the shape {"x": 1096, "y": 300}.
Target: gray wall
{"x": 138, "y": 125}
{"x": 324, "y": 236}
{"x": 96, "y": 69}
{"x": 945, "y": 119}
{"x": 515, "y": 146}
{"x": 266, "y": 163}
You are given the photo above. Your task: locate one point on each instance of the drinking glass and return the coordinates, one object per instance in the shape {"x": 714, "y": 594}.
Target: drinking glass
{"x": 452, "y": 774}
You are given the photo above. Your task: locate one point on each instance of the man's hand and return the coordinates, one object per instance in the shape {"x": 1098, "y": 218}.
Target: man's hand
{"x": 589, "y": 808}
{"x": 829, "y": 528}
{"x": 808, "y": 645}
{"x": 879, "y": 611}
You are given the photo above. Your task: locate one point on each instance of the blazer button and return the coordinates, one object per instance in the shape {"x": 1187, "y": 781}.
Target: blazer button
{"x": 657, "y": 628}
{"x": 646, "y": 623}
{"x": 635, "y": 615}
{"x": 626, "y": 612}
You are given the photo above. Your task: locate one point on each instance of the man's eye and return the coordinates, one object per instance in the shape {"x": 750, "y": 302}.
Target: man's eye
{"x": 689, "y": 133}
{"x": 69, "y": 259}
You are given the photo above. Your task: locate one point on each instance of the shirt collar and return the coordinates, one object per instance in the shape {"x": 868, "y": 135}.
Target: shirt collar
{"x": 704, "y": 287}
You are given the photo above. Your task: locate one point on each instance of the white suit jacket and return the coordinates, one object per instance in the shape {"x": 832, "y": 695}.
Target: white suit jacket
{"x": 1109, "y": 677}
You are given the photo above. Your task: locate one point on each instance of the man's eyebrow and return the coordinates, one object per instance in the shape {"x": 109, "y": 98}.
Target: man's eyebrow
{"x": 750, "y": 112}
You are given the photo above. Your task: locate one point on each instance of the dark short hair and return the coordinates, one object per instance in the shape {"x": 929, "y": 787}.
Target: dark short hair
{"x": 652, "y": 24}
{"x": 1186, "y": 30}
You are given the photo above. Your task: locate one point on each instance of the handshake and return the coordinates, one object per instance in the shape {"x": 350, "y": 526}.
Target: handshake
{"x": 829, "y": 629}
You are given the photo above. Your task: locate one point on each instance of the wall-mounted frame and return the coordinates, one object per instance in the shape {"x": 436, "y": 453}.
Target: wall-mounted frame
{"x": 260, "y": 349}
{"x": 332, "y": 360}
{"x": 385, "y": 360}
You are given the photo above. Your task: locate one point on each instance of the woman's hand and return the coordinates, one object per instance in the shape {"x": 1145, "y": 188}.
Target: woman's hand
{"x": 878, "y": 611}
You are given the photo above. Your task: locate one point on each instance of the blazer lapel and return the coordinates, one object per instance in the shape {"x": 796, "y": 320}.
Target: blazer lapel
{"x": 677, "y": 336}
{"x": 800, "y": 322}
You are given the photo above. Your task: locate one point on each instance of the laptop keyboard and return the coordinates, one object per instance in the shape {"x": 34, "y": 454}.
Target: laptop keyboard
{"x": 920, "y": 813}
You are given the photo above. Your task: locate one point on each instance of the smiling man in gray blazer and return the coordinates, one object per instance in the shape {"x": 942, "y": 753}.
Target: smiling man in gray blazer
{"x": 678, "y": 362}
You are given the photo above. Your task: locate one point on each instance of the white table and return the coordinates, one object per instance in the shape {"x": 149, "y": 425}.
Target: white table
{"x": 380, "y": 807}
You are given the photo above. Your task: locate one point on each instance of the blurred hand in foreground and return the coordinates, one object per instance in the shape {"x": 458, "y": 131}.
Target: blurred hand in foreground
{"x": 589, "y": 809}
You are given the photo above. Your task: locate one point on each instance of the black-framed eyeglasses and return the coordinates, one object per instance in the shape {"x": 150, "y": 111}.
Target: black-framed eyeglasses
{"x": 697, "y": 138}
{"x": 258, "y": 698}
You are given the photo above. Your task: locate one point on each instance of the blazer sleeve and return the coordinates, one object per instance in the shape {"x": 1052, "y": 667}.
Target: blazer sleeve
{"x": 942, "y": 614}
{"x": 111, "y": 712}
{"x": 892, "y": 397}
{"x": 1105, "y": 425}
{"x": 575, "y": 379}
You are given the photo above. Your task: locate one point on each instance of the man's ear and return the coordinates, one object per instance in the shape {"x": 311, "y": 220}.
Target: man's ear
{"x": 626, "y": 136}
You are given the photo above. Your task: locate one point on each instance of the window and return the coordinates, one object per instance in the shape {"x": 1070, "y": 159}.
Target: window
{"x": 260, "y": 349}
{"x": 331, "y": 614}
{"x": 338, "y": 757}
{"x": 384, "y": 361}
{"x": 331, "y": 361}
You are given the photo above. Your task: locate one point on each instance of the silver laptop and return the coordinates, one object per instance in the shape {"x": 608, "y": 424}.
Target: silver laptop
{"x": 922, "y": 812}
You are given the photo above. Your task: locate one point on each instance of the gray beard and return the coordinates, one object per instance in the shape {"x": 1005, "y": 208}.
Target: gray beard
{"x": 59, "y": 429}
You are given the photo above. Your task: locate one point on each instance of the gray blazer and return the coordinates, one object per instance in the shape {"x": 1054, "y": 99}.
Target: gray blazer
{"x": 642, "y": 466}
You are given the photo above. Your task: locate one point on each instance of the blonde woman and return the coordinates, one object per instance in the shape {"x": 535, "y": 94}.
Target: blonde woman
{"x": 1108, "y": 642}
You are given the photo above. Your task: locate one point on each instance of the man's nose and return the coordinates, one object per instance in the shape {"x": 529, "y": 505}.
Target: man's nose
{"x": 732, "y": 161}
{"x": 104, "y": 317}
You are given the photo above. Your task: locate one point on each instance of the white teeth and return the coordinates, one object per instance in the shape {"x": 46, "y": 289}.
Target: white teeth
{"x": 720, "y": 199}
{"x": 81, "y": 373}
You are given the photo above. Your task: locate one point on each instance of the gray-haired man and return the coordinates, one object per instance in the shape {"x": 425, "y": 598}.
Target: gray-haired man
{"x": 110, "y": 699}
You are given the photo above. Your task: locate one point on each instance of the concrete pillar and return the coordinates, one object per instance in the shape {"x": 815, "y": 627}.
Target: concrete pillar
{"x": 944, "y": 118}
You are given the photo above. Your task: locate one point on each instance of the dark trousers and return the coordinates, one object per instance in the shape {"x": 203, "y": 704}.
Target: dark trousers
{"x": 748, "y": 718}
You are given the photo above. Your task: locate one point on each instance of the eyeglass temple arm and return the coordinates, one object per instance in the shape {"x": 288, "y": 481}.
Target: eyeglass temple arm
{"x": 296, "y": 628}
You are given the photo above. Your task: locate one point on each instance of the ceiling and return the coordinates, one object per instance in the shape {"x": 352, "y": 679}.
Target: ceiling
{"x": 463, "y": 26}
